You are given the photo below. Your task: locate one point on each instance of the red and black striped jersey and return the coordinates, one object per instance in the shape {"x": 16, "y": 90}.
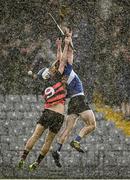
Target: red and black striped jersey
{"x": 54, "y": 92}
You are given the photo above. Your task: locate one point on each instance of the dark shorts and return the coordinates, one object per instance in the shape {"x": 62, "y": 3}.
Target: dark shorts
{"x": 77, "y": 105}
{"x": 51, "y": 120}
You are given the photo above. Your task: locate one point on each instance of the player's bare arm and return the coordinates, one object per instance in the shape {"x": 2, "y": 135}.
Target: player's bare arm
{"x": 64, "y": 55}
{"x": 70, "y": 55}
{"x": 59, "y": 49}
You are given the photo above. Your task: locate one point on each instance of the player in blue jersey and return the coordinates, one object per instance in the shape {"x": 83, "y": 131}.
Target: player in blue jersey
{"x": 77, "y": 106}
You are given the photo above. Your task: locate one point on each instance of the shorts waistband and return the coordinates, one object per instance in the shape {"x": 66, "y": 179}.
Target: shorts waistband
{"x": 78, "y": 96}
{"x": 50, "y": 111}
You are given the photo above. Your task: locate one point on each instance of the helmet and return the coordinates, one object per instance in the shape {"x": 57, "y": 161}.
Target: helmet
{"x": 46, "y": 74}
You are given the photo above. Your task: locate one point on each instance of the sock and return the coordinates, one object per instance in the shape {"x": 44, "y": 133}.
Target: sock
{"x": 24, "y": 155}
{"x": 78, "y": 138}
{"x": 59, "y": 146}
{"x": 40, "y": 158}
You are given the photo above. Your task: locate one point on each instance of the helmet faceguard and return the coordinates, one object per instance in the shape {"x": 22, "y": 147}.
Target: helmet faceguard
{"x": 46, "y": 74}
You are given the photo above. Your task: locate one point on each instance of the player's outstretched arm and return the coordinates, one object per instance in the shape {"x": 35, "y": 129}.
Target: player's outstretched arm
{"x": 64, "y": 55}
{"x": 70, "y": 55}
{"x": 59, "y": 49}
{"x": 70, "y": 52}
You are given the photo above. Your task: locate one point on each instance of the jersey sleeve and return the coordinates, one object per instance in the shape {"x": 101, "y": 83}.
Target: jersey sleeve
{"x": 68, "y": 69}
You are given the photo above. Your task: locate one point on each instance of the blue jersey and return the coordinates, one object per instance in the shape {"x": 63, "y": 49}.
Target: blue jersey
{"x": 75, "y": 87}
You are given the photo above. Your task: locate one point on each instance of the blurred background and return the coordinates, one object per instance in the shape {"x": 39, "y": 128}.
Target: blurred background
{"x": 101, "y": 37}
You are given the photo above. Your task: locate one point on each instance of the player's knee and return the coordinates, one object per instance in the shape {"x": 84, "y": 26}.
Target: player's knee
{"x": 93, "y": 126}
{"x": 93, "y": 123}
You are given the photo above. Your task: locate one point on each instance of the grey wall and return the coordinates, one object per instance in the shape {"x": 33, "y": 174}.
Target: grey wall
{"x": 107, "y": 150}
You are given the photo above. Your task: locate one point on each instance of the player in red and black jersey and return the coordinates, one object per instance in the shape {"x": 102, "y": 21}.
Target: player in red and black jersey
{"x": 54, "y": 90}
{"x": 52, "y": 117}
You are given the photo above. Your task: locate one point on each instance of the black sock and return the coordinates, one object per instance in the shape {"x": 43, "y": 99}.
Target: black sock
{"x": 40, "y": 158}
{"x": 24, "y": 155}
{"x": 78, "y": 138}
{"x": 59, "y": 146}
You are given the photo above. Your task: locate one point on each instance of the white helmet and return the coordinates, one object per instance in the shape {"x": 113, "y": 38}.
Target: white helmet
{"x": 46, "y": 74}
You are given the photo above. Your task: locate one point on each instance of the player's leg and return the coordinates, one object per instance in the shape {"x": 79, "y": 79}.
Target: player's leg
{"x": 42, "y": 124}
{"x": 30, "y": 143}
{"x": 69, "y": 125}
{"x": 36, "y": 135}
{"x": 90, "y": 124}
{"x": 55, "y": 121}
{"x": 44, "y": 150}
{"x": 82, "y": 108}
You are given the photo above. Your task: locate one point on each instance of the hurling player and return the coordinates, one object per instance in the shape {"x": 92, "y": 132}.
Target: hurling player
{"x": 77, "y": 106}
{"x": 52, "y": 117}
